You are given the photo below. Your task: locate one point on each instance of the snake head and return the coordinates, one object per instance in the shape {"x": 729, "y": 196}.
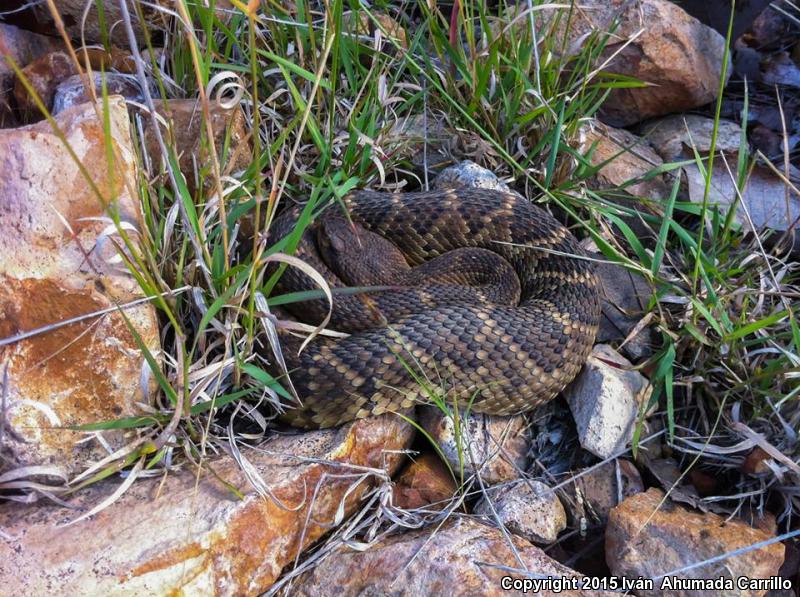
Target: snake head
{"x": 356, "y": 255}
{"x": 337, "y": 241}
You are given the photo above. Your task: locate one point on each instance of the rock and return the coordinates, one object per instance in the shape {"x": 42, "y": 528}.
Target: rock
{"x": 645, "y": 537}
{"x": 187, "y": 131}
{"x": 425, "y": 483}
{"x": 71, "y": 91}
{"x": 459, "y": 557}
{"x": 679, "y": 57}
{"x": 768, "y": 28}
{"x": 676, "y": 137}
{"x": 83, "y": 23}
{"x": 755, "y": 463}
{"x": 469, "y": 174}
{"x": 605, "y": 400}
{"x": 623, "y": 300}
{"x": 386, "y": 25}
{"x": 746, "y": 63}
{"x": 47, "y": 73}
{"x": 425, "y": 143}
{"x": 44, "y": 76}
{"x": 22, "y": 47}
{"x": 759, "y": 519}
{"x": 780, "y": 69}
{"x": 187, "y": 533}
{"x": 625, "y": 158}
{"x": 597, "y": 491}
{"x": 56, "y": 265}
{"x": 495, "y": 447}
{"x": 671, "y": 478}
{"x": 529, "y": 509}
{"x": 764, "y": 194}
{"x": 716, "y": 13}
{"x": 766, "y": 141}
{"x": 768, "y": 201}
{"x": 704, "y": 483}
{"x": 790, "y": 571}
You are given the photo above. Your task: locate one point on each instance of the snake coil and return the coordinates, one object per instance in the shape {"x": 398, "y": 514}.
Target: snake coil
{"x": 505, "y": 359}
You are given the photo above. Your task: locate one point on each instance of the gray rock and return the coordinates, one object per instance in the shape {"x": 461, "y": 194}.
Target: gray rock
{"x": 426, "y": 142}
{"x": 674, "y": 137}
{"x": 529, "y": 509}
{"x": 71, "y": 91}
{"x": 605, "y": 400}
{"x": 765, "y": 202}
{"x": 83, "y": 20}
{"x": 764, "y": 196}
{"x": 468, "y": 174}
{"x": 624, "y": 296}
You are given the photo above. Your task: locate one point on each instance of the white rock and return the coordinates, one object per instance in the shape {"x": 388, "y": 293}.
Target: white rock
{"x": 605, "y": 401}
{"x": 529, "y": 509}
{"x": 468, "y": 174}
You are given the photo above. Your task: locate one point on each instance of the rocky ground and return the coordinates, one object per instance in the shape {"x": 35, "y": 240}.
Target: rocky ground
{"x": 138, "y": 450}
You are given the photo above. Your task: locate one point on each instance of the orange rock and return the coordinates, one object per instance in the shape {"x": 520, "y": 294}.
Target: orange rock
{"x": 22, "y": 47}
{"x": 462, "y": 557}
{"x": 388, "y": 26}
{"x": 645, "y": 537}
{"x": 425, "y": 482}
{"x": 187, "y": 533}
{"x": 43, "y": 75}
{"x": 624, "y": 157}
{"x": 57, "y": 265}
{"x": 755, "y": 462}
{"x": 656, "y": 42}
{"x": 704, "y": 483}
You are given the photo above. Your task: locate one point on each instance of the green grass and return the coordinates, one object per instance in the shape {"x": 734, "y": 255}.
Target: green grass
{"x": 322, "y": 89}
{"x": 322, "y": 94}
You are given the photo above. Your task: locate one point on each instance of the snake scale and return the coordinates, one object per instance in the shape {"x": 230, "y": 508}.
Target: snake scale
{"x": 507, "y": 347}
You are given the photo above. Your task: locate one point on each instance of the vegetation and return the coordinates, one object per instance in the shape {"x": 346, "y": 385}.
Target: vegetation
{"x": 330, "y": 92}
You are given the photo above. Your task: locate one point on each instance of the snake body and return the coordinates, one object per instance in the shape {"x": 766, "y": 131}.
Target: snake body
{"x": 502, "y": 357}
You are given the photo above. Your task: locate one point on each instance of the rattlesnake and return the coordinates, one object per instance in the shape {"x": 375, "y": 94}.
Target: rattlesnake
{"x": 505, "y": 346}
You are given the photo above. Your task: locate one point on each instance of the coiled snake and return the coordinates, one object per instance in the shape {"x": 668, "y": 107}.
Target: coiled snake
{"x": 503, "y": 345}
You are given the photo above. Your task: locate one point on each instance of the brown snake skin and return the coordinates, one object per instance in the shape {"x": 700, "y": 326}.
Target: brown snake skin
{"x": 507, "y": 358}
